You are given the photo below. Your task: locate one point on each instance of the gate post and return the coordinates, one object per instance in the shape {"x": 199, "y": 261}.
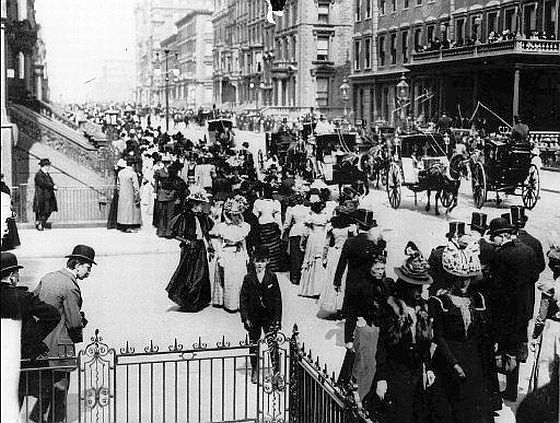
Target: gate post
{"x": 294, "y": 398}
{"x": 96, "y": 382}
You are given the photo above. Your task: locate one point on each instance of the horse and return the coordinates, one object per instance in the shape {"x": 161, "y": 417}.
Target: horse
{"x": 445, "y": 182}
{"x": 379, "y": 163}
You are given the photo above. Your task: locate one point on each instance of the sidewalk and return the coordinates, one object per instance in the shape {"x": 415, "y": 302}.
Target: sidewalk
{"x": 550, "y": 181}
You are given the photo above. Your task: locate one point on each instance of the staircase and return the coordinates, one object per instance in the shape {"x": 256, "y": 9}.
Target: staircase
{"x": 79, "y": 162}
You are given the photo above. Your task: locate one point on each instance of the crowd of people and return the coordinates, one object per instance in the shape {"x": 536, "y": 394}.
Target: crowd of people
{"x": 426, "y": 346}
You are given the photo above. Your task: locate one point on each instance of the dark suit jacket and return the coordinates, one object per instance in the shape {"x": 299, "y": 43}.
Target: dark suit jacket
{"x": 261, "y": 302}
{"x": 38, "y": 318}
{"x": 357, "y": 253}
{"x": 539, "y": 265}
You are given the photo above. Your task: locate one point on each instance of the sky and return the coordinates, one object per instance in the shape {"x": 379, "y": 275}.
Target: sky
{"x": 79, "y": 36}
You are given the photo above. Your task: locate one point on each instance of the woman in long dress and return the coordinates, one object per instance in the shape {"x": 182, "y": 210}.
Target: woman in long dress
{"x": 189, "y": 286}
{"x": 338, "y": 231}
{"x": 294, "y": 228}
{"x": 268, "y": 211}
{"x": 129, "y": 216}
{"x": 464, "y": 350}
{"x": 313, "y": 271}
{"x": 231, "y": 255}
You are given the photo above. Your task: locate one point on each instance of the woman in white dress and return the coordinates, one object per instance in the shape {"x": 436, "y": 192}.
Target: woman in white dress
{"x": 268, "y": 211}
{"x": 338, "y": 231}
{"x": 312, "y": 271}
{"x": 231, "y": 255}
{"x": 294, "y": 228}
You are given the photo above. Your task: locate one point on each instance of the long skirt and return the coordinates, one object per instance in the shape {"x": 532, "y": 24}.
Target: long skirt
{"x": 113, "y": 210}
{"x": 365, "y": 344}
{"x": 549, "y": 354}
{"x": 270, "y": 238}
{"x": 165, "y": 213}
{"x": 296, "y": 259}
{"x": 231, "y": 268}
{"x": 11, "y": 239}
{"x": 330, "y": 301}
{"x": 189, "y": 286}
{"x": 312, "y": 271}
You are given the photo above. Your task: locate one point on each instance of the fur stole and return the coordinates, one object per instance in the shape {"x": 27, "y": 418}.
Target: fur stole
{"x": 401, "y": 322}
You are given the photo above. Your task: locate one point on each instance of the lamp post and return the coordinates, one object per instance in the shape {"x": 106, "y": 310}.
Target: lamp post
{"x": 252, "y": 88}
{"x": 344, "y": 89}
{"x": 175, "y": 72}
{"x": 402, "y": 95}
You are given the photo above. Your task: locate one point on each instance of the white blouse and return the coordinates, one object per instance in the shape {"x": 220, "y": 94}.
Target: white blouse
{"x": 268, "y": 211}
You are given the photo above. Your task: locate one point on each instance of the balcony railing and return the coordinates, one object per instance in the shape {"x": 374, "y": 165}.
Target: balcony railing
{"x": 521, "y": 46}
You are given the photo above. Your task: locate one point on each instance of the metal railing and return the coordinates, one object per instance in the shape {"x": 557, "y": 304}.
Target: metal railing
{"x": 198, "y": 384}
{"x": 75, "y": 205}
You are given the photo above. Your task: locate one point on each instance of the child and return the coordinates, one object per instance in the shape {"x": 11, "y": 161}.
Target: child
{"x": 261, "y": 308}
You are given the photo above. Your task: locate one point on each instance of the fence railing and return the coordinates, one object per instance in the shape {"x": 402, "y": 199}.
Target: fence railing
{"x": 75, "y": 205}
{"x": 176, "y": 384}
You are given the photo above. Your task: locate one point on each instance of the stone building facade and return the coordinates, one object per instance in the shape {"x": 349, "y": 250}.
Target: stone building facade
{"x": 402, "y": 37}
{"x": 296, "y": 63}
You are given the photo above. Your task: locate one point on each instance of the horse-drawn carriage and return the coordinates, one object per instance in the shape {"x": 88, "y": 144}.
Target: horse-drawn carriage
{"x": 218, "y": 130}
{"x": 420, "y": 163}
{"x": 505, "y": 166}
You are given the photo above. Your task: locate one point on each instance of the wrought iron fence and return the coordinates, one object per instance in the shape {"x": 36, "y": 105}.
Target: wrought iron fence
{"x": 75, "y": 205}
{"x": 177, "y": 384}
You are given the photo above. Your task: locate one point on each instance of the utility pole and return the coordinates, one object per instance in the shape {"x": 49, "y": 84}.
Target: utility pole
{"x": 166, "y": 51}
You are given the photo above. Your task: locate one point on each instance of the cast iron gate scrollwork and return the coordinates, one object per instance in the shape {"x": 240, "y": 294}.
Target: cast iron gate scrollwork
{"x": 206, "y": 383}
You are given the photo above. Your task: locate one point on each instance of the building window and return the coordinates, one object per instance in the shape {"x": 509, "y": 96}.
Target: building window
{"x": 294, "y": 13}
{"x": 550, "y": 17}
{"x": 418, "y": 2}
{"x": 405, "y": 4}
{"x": 382, "y": 7}
{"x": 367, "y": 53}
{"x": 492, "y": 22}
{"x": 293, "y": 49}
{"x": 475, "y": 27}
{"x": 368, "y": 9}
{"x": 357, "y": 55}
{"x": 394, "y": 5}
{"x": 382, "y": 51}
{"x": 431, "y": 34}
{"x": 322, "y": 92}
{"x": 322, "y": 48}
{"x": 393, "y": 49}
{"x": 529, "y": 19}
{"x": 323, "y": 13}
{"x": 460, "y": 31}
{"x": 418, "y": 39}
{"x": 21, "y": 65}
{"x": 358, "y": 10}
{"x": 509, "y": 20}
{"x": 404, "y": 44}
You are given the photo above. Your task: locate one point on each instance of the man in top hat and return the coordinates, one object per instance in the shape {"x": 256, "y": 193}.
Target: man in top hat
{"x": 61, "y": 290}
{"x": 441, "y": 278}
{"x": 513, "y": 272}
{"x": 26, "y": 321}
{"x": 44, "y": 202}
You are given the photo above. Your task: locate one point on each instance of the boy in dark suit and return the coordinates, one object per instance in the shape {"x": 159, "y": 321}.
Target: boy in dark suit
{"x": 261, "y": 309}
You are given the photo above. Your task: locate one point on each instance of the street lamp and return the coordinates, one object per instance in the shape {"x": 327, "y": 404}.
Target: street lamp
{"x": 175, "y": 73}
{"x": 252, "y": 89}
{"x": 344, "y": 89}
{"x": 402, "y": 95}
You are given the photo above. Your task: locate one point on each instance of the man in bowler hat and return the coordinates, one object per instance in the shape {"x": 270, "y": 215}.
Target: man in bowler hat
{"x": 61, "y": 290}
{"x": 44, "y": 202}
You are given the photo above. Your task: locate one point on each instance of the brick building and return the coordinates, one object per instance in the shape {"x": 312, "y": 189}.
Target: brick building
{"x": 299, "y": 62}
{"x": 476, "y": 66}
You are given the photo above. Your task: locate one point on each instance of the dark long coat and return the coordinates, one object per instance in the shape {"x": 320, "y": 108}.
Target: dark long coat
{"x": 44, "y": 202}
{"x": 539, "y": 264}
{"x": 261, "y": 301}
{"x": 513, "y": 271}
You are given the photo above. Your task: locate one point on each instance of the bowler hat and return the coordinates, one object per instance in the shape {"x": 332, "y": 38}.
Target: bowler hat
{"x": 518, "y": 216}
{"x": 456, "y": 229}
{"x": 44, "y": 162}
{"x": 83, "y": 252}
{"x": 478, "y": 222}
{"x": 500, "y": 225}
{"x": 9, "y": 262}
{"x": 364, "y": 219}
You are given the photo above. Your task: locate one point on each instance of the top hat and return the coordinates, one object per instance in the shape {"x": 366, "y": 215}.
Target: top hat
{"x": 507, "y": 218}
{"x": 364, "y": 219}
{"x": 9, "y": 261}
{"x": 518, "y": 216}
{"x": 44, "y": 162}
{"x": 83, "y": 252}
{"x": 456, "y": 229}
{"x": 478, "y": 222}
{"x": 415, "y": 268}
{"x": 500, "y": 225}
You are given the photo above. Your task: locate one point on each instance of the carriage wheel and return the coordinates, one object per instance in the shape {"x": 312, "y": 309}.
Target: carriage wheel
{"x": 479, "y": 188}
{"x": 394, "y": 185}
{"x": 531, "y": 188}
{"x": 447, "y": 198}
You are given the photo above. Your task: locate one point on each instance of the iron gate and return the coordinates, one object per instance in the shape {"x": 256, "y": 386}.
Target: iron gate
{"x": 198, "y": 384}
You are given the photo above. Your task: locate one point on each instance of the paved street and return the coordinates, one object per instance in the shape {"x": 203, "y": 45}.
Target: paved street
{"x": 125, "y": 296}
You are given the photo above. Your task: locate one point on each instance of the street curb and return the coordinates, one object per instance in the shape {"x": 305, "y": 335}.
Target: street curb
{"x": 551, "y": 169}
{"x": 65, "y": 225}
